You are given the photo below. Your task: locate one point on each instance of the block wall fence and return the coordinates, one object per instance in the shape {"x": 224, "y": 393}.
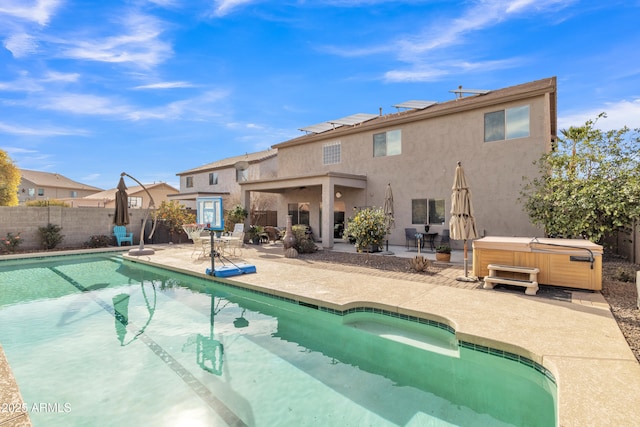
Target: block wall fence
{"x": 78, "y": 224}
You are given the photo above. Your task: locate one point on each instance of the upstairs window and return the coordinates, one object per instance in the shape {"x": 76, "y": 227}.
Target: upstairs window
{"x": 387, "y": 143}
{"x": 242, "y": 175}
{"x": 331, "y": 153}
{"x": 213, "y": 178}
{"x": 510, "y": 123}
{"x": 189, "y": 183}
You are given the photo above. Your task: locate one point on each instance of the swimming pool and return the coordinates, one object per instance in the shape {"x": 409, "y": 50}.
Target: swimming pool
{"x": 107, "y": 342}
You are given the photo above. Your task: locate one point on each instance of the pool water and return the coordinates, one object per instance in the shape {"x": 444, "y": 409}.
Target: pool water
{"x": 97, "y": 340}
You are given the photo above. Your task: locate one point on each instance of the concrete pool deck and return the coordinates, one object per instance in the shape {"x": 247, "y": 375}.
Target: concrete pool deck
{"x": 578, "y": 340}
{"x": 575, "y": 338}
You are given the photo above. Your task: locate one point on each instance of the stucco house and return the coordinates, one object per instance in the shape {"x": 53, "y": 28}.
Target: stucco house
{"x": 339, "y": 166}
{"x": 36, "y": 185}
{"x": 222, "y": 178}
{"x": 138, "y": 197}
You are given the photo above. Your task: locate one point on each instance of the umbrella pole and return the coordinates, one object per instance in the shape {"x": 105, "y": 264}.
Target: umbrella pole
{"x": 465, "y": 278}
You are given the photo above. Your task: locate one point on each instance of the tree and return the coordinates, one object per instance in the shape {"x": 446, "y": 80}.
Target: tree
{"x": 174, "y": 215}
{"x": 589, "y": 184}
{"x": 9, "y": 180}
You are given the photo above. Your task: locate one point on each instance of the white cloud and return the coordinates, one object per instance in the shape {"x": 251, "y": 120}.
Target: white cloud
{"x": 21, "y": 45}
{"x": 39, "y": 11}
{"x": 165, "y": 85}
{"x": 38, "y": 131}
{"x": 225, "y": 7}
{"x": 619, "y": 114}
{"x": 139, "y": 44}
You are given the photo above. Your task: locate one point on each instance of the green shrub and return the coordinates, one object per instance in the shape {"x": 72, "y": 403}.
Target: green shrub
{"x": 368, "y": 227}
{"x": 99, "y": 241}
{"x": 304, "y": 243}
{"x": 50, "y": 236}
{"x": 11, "y": 242}
{"x": 45, "y": 203}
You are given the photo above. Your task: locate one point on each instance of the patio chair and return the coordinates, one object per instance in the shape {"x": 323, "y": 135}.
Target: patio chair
{"x": 410, "y": 236}
{"x": 120, "y": 232}
{"x": 201, "y": 247}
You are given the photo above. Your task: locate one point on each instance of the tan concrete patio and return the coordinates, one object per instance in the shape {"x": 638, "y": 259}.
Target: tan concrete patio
{"x": 578, "y": 341}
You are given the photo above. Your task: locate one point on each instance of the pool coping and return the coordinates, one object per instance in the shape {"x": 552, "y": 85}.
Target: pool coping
{"x": 579, "y": 342}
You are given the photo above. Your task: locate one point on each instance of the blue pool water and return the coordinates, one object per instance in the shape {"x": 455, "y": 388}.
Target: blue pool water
{"x": 103, "y": 341}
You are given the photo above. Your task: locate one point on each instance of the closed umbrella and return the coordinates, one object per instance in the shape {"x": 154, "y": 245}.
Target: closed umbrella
{"x": 388, "y": 210}
{"x": 121, "y": 214}
{"x": 462, "y": 225}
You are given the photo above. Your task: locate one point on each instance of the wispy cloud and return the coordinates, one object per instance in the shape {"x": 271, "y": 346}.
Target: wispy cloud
{"x": 138, "y": 44}
{"x": 165, "y": 85}
{"x": 619, "y": 114}
{"x": 38, "y": 11}
{"x": 225, "y": 7}
{"x": 38, "y": 131}
{"x": 21, "y": 45}
{"x": 429, "y": 45}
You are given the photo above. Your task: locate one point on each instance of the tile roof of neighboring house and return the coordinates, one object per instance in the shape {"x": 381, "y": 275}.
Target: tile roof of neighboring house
{"x": 230, "y": 161}
{"x": 512, "y": 93}
{"x": 47, "y": 179}
{"x": 110, "y": 194}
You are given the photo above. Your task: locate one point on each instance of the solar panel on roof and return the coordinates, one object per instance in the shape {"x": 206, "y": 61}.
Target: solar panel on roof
{"x": 319, "y": 128}
{"x": 460, "y": 90}
{"x": 415, "y": 105}
{"x": 354, "y": 119}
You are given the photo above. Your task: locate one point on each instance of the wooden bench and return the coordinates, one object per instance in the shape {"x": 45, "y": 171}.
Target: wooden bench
{"x": 531, "y": 285}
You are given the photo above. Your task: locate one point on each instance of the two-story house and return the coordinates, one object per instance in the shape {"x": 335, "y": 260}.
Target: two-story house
{"x": 345, "y": 164}
{"x": 223, "y": 178}
{"x": 36, "y": 185}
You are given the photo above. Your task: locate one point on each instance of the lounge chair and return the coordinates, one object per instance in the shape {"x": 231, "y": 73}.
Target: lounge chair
{"x": 120, "y": 232}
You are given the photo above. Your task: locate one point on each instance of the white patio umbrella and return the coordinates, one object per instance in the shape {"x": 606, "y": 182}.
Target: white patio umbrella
{"x": 388, "y": 210}
{"x": 462, "y": 225}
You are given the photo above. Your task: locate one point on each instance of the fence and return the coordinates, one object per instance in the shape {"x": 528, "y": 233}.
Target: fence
{"x": 78, "y": 224}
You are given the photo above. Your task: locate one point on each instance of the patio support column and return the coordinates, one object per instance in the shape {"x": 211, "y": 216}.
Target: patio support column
{"x": 328, "y": 189}
{"x": 245, "y": 199}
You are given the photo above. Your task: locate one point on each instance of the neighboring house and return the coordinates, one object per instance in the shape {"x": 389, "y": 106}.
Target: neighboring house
{"x": 138, "y": 197}
{"x": 343, "y": 165}
{"x": 223, "y": 178}
{"x": 36, "y": 185}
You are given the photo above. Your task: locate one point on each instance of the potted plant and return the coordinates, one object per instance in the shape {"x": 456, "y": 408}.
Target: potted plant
{"x": 443, "y": 253}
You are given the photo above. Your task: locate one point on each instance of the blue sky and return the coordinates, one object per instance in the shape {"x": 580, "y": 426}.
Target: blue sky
{"x": 91, "y": 88}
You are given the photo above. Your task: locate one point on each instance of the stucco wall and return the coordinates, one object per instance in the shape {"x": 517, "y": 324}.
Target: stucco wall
{"x": 78, "y": 224}
{"x": 431, "y": 149}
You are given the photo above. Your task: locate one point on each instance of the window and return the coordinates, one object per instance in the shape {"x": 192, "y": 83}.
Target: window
{"x": 331, "y": 153}
{"x": 242, "y": 175}
{"x": 213, "y": 178}
{"x": 299, "y": 213}
{"x": 40, "y": 191}
{"x": 427, "y": 211}
{"x": 189, "y": 182}
{"x": 32, "y": 192}
{"x": 387, "y": 143}
{"x": 74, "y": 194}
{"x": 506, "y": 124}
{"x": 135, "y": 202}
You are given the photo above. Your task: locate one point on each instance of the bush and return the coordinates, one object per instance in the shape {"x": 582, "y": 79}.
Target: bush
{"x": 50, "y": 236}
{"x": 11, "y": 242}
{"x": 304, "y": 243}
{"x": 45, "y": 203}
{"x": 368, "y": 227}
{"x": 99, "y": 241}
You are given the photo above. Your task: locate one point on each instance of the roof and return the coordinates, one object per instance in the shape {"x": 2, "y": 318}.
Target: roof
{"x": 512, "y": 93}
{"x": 111, "y": 193}
{"x": 47, "y": 179}
{"x": 230, "y": 161}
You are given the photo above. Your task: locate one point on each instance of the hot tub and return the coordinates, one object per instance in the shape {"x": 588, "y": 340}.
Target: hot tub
{"x": 572, "y": 263}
